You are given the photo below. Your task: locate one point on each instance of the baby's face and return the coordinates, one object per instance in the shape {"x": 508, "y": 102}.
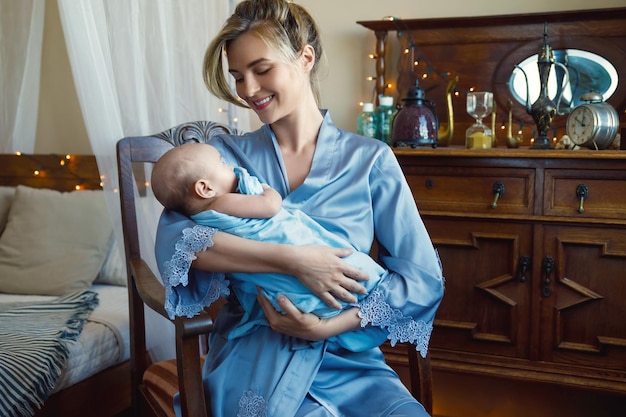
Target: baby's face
{"x": 220, "y": 174}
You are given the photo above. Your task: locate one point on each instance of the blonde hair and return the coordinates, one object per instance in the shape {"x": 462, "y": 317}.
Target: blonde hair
{"x": 284, "y": 26}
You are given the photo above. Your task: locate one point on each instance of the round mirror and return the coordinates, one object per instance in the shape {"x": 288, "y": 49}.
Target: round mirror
{"x": 585, "y": 71}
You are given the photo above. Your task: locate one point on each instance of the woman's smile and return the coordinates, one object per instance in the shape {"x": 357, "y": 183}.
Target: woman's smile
{"x": 263, "y": 103}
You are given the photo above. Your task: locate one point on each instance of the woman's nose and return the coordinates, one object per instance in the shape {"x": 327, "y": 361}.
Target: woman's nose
{"x": 249, "y": 87}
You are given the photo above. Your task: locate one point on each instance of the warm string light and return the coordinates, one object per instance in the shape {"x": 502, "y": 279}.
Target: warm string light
{"x": 417, "y": 57}
{"x": 233, "y": 120}
{"x": 504, "y": 121}
{"x": 63, "y": 164}
{"x": 421, "y": 64}
{"x": 372, "y": 78}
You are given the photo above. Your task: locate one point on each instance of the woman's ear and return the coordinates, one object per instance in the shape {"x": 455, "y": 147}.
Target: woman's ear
{"x": 308, "y": 57}
{"x": 203, "y": 189}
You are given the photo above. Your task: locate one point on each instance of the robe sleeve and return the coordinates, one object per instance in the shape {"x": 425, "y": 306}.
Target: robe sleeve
{"x": 187, "y": 290}
{"x": 405, "y": 302}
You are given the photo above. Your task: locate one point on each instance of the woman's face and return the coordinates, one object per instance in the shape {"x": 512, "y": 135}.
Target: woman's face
{"x": 271, "y": 87}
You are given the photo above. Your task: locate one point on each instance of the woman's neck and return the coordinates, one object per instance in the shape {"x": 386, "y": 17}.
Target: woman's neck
{"x": 297, "y": 137}
{"x": 299, "y": 130}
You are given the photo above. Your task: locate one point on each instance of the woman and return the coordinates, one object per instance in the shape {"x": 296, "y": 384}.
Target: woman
{"x": 353, "y": 187}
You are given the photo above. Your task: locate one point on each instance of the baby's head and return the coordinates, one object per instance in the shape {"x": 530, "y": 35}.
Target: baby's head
{"x": 186, "y": 175}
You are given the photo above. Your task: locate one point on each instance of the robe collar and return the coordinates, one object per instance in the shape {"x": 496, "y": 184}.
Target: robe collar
{"x": 325, "y": 154}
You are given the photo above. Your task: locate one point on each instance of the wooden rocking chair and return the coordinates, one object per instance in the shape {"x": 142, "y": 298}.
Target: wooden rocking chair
{"x": 154, "y": 384}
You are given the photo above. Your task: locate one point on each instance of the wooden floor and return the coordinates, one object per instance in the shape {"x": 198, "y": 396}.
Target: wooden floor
{"x": 457, "y": 395}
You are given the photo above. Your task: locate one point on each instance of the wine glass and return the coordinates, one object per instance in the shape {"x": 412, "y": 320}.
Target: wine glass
{"x": 479, "y": 105}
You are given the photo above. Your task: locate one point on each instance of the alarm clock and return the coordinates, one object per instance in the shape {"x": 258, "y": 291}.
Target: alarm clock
{"x": 593, "y": 124}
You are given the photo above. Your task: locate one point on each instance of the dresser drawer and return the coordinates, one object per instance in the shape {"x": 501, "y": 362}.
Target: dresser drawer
{"x": 472, "y": 189}
{"x": 605, "y": 193}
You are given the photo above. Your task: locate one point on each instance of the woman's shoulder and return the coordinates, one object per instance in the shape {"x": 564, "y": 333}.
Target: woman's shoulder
{"x": 239, "y": 138}
{"x": 363, "y": 145}
{"x": 351, "y": 139}
{"x": 242, "y": 143}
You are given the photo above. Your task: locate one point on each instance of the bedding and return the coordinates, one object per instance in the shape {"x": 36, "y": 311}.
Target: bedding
{"x": 59, "y": 236}
{"x": 33, "y": 337}
{"x": 74, "y": 252}
{"x": 104, "y": 341}
{"x": 6, "y": 199}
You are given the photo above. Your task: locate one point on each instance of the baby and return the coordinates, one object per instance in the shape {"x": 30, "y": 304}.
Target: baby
{"x": 194, "y": 180}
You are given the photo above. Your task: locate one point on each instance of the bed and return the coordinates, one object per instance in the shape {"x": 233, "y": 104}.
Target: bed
{"x": 58, "y": 257}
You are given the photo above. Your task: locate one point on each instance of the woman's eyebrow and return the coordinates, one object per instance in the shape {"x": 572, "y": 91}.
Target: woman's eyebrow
{"x": 251, "y": 64}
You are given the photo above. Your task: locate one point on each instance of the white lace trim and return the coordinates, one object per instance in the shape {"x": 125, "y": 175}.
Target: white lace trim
{"x": 375, "y": 310}
{"x": 175, "y": 271}
{"x": 194, "y": 239}
{"x": 252, "y": 405}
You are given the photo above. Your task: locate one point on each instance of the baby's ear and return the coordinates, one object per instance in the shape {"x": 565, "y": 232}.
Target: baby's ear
{"x": 203, "y": 189}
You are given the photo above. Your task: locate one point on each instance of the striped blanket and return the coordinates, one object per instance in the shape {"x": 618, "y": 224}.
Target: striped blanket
{"x": 33, "y": 351}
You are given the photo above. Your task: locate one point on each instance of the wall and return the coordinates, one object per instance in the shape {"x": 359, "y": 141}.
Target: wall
{"x": 61, "y": 127}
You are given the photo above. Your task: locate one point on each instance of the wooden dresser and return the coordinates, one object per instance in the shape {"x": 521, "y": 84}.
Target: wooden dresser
{"x": 533, "y": 246}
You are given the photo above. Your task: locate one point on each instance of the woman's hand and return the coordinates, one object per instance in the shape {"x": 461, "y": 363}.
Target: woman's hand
{"x": 321, "y": 269}
{"x": 306, "y": 326}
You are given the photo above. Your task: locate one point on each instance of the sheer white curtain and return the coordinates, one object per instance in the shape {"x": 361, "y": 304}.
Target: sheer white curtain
{"x": 137, "y": 67}
{"x": 21, "y": 39}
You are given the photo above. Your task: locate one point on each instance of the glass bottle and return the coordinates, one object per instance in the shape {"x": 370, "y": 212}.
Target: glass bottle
{"x": 366, "y": 121}
{"x": 384, "y": 118}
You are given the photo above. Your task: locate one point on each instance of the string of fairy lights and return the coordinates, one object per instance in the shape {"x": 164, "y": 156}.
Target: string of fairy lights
{"x": 62, "y": 164}
{"x": 424, "y": 68}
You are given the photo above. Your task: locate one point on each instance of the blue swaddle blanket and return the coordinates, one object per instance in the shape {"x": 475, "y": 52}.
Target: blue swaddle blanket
{"x": 286, "y": 227}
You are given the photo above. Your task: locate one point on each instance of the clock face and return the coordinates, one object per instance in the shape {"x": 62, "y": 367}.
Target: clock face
{"x": 580, "y": 125}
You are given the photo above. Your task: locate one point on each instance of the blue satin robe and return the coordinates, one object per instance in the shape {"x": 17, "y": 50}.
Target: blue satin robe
{"x": 355, "y": 189}
{"x": 293, "y": 228}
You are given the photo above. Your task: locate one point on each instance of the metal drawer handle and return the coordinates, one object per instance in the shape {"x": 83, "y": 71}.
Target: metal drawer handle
{"x": 582, "y": 192}
{"x": 524, "y": 263}
{"x": 498, "y": 190}
{"x": 548, "y": 266}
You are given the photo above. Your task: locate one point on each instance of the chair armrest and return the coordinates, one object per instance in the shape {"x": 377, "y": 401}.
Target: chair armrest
{"x": 152, "y": 293}
{"x": 188, "y": 361}
{"x": 148, "y": 286}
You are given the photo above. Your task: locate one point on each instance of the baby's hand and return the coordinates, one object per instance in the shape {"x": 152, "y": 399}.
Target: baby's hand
{"x": 272, "y": 200}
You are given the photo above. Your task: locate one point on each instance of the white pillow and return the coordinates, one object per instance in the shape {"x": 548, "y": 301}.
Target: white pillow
{"x": 6, "y": 199}
{"x": 54, "y": 243}
{"x": 113, "y": 271}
